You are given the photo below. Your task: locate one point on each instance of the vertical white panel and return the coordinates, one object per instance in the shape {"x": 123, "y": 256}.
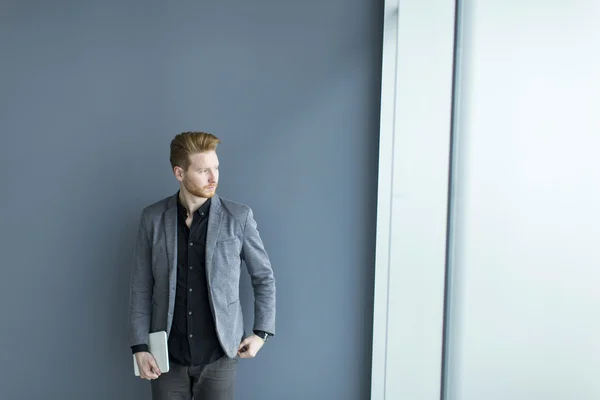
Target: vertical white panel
{"x": 525, "y": 305}
{"x": 412, "y": 202}
{"x": 384, "y": 201}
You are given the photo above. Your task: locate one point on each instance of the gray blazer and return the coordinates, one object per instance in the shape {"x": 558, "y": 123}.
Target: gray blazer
{"x": 232, "y": 237}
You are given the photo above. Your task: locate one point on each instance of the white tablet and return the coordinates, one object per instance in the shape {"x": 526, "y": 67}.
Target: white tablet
{"x": 157, "y": 346}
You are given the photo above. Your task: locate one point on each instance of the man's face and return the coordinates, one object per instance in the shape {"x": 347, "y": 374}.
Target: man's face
{"x": 202, "y": 176}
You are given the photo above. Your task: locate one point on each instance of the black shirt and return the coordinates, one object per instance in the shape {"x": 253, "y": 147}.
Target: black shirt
{"x": 193, "y": 338}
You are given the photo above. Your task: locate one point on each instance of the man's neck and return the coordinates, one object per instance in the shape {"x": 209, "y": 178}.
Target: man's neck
{"x": 191, "y": 202}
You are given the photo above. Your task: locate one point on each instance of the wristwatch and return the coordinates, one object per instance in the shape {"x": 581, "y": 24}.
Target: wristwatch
{"x": 263, "y": 335}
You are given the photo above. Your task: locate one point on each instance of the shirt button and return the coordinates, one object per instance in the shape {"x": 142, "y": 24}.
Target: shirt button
{"x": 190, "y": 313}
{"x": 190, "y": 290}
{"x": 191, "y": 244}
{"x": 191, "y": 267}
{"x": 191, "y": 335}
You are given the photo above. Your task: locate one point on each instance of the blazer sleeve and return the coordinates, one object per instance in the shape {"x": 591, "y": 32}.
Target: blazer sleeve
{"x": 141, "y": 286}
{"x": 261, "y": 276}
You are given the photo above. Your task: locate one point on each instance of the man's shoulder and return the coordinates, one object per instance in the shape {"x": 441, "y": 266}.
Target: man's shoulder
{"x": 157, "y": 208}
{"x": 234, "y": 208}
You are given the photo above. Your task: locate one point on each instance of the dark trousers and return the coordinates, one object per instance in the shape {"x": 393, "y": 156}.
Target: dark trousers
{"x": 215, "y": 381}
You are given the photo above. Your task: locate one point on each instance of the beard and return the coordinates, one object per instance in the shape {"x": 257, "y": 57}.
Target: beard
{"x": 200, "y": 191}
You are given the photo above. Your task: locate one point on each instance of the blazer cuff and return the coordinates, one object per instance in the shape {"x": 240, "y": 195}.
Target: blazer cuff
{"x": 139, "y": 348}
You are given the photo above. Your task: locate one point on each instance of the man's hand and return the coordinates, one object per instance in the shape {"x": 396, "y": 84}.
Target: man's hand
{"x": 147, "y": 365}
{"x": 250, "y": 346}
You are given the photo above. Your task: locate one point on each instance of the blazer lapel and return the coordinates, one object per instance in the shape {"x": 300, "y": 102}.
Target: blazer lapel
{"x": 214, "y": 224}
{"x": 171, "y": 233}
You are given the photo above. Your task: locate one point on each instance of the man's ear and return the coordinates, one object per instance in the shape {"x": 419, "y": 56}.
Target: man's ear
{"x": 178, "y": 172}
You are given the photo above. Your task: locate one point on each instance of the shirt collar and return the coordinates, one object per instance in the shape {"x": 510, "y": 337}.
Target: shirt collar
{"x": 204, "y": 208}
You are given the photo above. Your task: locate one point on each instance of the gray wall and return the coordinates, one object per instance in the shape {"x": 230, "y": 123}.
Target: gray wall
{"x": 91, "y": 94}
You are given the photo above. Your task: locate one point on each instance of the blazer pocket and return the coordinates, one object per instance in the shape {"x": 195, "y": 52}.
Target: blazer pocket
{"x": 229, "y": 248}
{"x": 228, "y": 242}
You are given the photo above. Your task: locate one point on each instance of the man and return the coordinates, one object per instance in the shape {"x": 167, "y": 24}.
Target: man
{"x": 185, "y": 280}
